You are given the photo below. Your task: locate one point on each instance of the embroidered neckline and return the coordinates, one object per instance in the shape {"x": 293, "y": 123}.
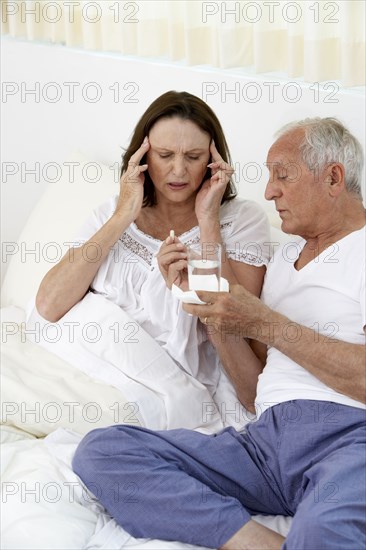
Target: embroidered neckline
{"x": 181, "y": 236}
{"x": 141, "y": 251}
{"x": 138, "y": 230}
{"x": 137, "y": 249}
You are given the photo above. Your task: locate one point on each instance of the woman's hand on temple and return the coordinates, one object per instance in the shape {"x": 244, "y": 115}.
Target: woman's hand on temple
{"x": 172, "y": 261}
{"x": 132, "y": 184}
{"x": 208, "y": 200}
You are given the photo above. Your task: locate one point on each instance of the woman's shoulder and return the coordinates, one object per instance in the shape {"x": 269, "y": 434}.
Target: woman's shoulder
{"x": 96, "y": 219}
{"x": 245, "y": 231}
{"x": 105, "y": 210}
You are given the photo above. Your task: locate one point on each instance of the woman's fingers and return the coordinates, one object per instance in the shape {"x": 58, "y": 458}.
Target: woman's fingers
{"x": 221, "y": 178}
{"x": 167, "y": 259}
{"x": 132, "y": 184}
{"x": 170, "y": 246}
{"x": 221, "y": 166}
{"x": 217, "y": 160}
{"x": 141, "y": 151}
{"x": 215, "y": 155}
{"x": 171, "y": 252}
{"x": 220, "y": 169}
{"x": 172, "y": 261}
{"x": 134, "y": 168}
{"x": 177, "y": 273}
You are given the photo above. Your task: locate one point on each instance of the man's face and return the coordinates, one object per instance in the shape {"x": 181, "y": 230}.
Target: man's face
{"x": 299, "y": 194}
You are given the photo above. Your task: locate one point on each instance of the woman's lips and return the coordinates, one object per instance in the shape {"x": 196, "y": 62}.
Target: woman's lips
{"x": 177, "y": 185}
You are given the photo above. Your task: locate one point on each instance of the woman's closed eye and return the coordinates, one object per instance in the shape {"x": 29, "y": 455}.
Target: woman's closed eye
{"x": 168, "y": 155}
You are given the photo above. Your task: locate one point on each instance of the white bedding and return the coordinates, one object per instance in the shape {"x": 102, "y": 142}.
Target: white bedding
{"x": 50, "y": 401}
{"x": 166, "y": 396}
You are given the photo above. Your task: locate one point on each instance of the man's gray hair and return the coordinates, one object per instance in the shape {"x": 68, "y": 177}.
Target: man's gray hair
{"x": 326, "y": 140}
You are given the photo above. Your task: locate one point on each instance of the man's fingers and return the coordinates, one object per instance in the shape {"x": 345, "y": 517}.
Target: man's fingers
{"x": 208, "y": 296}
{"x": 210, "y": 299}
{"x": 198, "y": 311}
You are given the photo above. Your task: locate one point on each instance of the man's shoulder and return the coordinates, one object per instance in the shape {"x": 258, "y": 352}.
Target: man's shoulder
{"x": 352, "y": 248}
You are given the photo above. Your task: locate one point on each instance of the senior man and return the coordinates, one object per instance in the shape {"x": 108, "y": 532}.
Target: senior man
{"x": 304, "y": 456}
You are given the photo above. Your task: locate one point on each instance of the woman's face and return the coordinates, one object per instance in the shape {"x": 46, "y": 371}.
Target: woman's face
{"x": 177, "y": 158}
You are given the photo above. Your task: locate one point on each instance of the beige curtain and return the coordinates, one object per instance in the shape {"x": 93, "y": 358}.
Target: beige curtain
{"x": 316, "y": 40}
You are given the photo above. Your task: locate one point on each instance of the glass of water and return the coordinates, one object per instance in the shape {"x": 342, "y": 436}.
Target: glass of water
{"x": 204, "y": 266}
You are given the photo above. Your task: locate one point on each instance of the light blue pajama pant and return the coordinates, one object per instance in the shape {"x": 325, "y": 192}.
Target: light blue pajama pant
{"x": 301, "y": 458}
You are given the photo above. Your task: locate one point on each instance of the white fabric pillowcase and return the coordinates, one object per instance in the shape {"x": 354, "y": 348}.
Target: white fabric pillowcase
{"x": 41, "y": 392}
{"x": 53, "y": 222}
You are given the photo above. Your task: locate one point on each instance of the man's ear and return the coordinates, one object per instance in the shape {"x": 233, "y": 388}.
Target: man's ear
{"x": 334, "y": 178}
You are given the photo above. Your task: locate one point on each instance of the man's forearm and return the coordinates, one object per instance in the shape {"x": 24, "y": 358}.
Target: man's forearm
{"x": 338, "y": 364}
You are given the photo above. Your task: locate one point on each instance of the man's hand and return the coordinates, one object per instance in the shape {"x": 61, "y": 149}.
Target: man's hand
{"x": 338, "y": 364}
{"x": 234, "y": 312}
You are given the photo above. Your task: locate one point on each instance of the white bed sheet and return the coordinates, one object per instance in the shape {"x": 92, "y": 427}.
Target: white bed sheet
{"x": 45, "y": 506}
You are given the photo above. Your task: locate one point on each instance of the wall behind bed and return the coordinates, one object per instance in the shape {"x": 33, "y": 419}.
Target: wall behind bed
{"x": 57, "y": 100}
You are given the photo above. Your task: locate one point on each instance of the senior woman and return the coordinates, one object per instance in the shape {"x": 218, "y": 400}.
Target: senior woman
{"x": 175, "y": 175}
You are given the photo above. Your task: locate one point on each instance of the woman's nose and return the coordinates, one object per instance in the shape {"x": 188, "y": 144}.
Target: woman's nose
{"x": 179, "y": 166}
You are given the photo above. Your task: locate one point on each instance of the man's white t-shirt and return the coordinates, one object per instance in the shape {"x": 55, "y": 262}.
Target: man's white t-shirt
{"x": 326, "y": 295}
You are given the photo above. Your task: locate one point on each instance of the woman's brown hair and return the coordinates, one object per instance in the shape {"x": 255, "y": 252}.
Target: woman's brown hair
{"x": 187, "y": 107}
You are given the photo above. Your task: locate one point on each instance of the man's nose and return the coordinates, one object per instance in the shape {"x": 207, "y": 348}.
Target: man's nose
{"x": 272, "y": 190}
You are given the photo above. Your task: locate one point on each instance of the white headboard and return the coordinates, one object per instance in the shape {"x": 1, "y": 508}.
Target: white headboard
{"x": 57, "y": 100}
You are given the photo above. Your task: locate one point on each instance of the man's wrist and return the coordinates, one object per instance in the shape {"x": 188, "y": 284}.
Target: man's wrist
{"x": 266, "y": 329}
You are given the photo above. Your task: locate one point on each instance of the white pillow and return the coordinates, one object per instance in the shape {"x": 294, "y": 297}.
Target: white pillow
{"x": 54, "y": 221}
{"x": 41, "y": 392}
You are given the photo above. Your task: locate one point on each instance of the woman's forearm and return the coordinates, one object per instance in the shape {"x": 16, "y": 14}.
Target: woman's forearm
{"x": 68, "y": 281}
{"x": 238, "y": 358}
{"x": 240, "y": 363}
{"x": 210, "y": 232}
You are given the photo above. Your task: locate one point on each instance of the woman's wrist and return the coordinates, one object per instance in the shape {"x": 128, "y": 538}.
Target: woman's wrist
{"x": 122, "y": 218}
{"x": 210, "y": 230}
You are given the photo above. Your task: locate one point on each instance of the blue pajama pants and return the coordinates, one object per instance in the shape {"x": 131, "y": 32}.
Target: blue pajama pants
{"x": 301, "y": 458}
